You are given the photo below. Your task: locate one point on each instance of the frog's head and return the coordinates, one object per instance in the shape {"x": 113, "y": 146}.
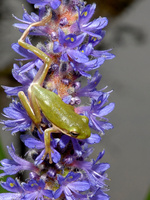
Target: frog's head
{"x": 82, "y": 129}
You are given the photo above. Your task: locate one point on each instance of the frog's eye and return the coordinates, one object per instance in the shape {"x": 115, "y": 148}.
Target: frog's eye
{"x": 74, "y": 134}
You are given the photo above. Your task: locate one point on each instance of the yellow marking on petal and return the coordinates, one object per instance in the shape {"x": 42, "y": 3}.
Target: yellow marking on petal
{"x": 99, "y": 102}
{"x": 33, "y": 184}
{"x": 82, "y": 51}
{"x": 94, "y": 38}
{"x": 72, "y": 39}
{"x": 11, "y": 184}
{"x": 68, "y": 38}
{"x": 70, "y": 177}
{"x": 85, "y": 13}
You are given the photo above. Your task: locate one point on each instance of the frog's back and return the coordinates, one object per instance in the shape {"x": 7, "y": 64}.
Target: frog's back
{"x": 54, "y": 109}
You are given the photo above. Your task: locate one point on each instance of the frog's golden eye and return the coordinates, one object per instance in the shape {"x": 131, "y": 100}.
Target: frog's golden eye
{"x": 74, "y": 134}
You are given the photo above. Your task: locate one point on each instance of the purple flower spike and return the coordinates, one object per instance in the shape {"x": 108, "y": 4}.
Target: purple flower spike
{"x": 59, "y": 164}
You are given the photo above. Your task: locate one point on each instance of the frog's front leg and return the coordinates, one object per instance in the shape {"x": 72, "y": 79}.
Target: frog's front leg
{"x": 47, "y": 141}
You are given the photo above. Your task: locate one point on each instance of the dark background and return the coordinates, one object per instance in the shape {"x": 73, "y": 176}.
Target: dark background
{"x": 127, "y": 146}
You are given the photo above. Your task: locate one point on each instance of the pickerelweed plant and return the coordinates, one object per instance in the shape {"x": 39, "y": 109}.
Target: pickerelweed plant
{"x": 49, "y": 106}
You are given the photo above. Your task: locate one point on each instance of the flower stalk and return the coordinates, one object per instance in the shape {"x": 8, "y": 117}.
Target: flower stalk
{"x": 48, "y": 104}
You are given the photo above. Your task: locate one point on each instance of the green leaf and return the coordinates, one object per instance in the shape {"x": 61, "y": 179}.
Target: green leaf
{"x": 148, "y": 196}
{"x": 2, "y": 152}
{"x": 2, "y": 156}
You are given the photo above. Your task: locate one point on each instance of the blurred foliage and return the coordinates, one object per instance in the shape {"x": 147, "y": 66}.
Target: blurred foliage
{"x": 111, "y": 8}
{"x": 148, "y": 196}
{"x": 2, "y": 156}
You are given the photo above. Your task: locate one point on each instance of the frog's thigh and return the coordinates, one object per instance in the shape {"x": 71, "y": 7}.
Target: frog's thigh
{"x": 26, "y": 104}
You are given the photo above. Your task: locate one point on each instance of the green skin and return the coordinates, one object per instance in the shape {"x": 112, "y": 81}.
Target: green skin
{"x": 61, "y": 115}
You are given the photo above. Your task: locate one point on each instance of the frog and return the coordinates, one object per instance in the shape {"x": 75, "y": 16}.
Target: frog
{"x": 62, "y": 116}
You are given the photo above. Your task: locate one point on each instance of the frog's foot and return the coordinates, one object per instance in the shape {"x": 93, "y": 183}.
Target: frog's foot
{"x": 48, "y": 152}
{"x": 45, "y": 20}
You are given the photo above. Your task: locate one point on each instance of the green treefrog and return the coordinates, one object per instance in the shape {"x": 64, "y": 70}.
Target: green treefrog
{"x": 61, "y": 115}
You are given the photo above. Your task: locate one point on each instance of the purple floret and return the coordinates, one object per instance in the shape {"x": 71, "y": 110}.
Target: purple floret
{"x": 66, "y": 46}
{"x": 54, "y": 4}
{"x": 11, "y": 167}
{"x": 98, "y": 110}
{"x": 71, "y": 186}
{"x": 18, "y": 120}
{"x": 36, "y": 190}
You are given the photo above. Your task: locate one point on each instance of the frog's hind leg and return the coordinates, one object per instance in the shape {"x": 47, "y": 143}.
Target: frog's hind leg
{"x": 31, "y": 106}
{"x": 35, "y": 116}
{"x": 39, "y": 78}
